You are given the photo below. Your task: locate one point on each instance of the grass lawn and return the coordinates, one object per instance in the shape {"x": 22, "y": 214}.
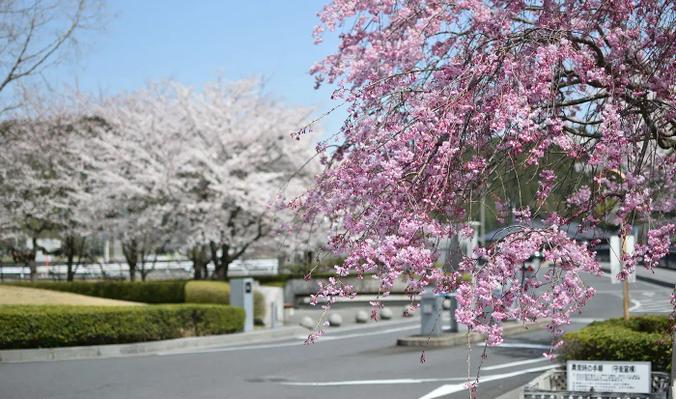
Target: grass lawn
{"x": 10, "y": 295}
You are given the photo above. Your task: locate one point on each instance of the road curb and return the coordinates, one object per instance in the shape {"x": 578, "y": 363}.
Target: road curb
{"x": 454, "y": 339}
{"x": 647, "y": 279}
{"x": 148, "y": 348}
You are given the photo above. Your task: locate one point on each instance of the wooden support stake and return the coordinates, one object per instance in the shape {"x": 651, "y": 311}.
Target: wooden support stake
{"x": 626, "y": 280}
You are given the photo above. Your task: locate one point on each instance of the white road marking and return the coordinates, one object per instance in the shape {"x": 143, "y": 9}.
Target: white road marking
{"x": 517, "y": 345}
{"x": 654, "y": 304}
{"x": 287, "y": 344}
{"x": 637, "y": 305}
{"x": 413, "y": 380}
{"x": 374, "y": 382}
{"x": 376, "y": 325}
{"x": 512, "y": 364}
{"x": 231, "y": 348}
{"x": 366, "y": 334}
{"x": 453, "y": 388}
{"x": 618, "y": 293}
{"x": 407, "y": 325}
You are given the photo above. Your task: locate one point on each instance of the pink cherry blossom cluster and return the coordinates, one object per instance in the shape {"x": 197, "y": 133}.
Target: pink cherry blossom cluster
{"x": 657, "y": 246}
{"x": 561, "y": 111}
{"x": 502, "y": 291}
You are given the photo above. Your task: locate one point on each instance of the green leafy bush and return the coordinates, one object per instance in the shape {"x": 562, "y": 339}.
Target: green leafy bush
{"x": 216, "y": 292}
{"x": 171, "y": 291}
{"x": 36, "y": 326}
{"x": 644, "y": 338}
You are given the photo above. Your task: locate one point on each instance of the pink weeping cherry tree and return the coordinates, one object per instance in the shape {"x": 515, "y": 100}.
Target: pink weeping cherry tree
{"x": 549, "y": 111}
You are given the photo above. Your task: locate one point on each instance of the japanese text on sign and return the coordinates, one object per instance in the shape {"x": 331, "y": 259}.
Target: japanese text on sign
{"x": 623, "y": 377}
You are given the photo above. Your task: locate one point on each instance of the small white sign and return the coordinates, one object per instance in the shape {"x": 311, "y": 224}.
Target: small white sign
{"x": 624, "y": 377}
{"x": 616, "y": 258}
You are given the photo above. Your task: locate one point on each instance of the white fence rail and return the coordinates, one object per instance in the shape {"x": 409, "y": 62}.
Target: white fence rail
{"x": 161, "y": 269}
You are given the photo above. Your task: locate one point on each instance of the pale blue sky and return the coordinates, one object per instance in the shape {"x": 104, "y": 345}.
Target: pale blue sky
{"x": 197, "y": 41}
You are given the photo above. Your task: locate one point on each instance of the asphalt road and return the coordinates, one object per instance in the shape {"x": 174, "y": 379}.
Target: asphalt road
{"x": 348, "y": 363}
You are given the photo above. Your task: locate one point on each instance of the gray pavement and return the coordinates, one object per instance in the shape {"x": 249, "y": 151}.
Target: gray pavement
{"x": 661, "y": 276}
{"x": 350, "y": 362}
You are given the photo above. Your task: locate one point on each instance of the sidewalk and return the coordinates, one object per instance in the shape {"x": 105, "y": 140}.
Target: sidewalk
{"x": 660, "y": 276}
{"x": 149, "y": 348}
{"x": 513, "y": 394}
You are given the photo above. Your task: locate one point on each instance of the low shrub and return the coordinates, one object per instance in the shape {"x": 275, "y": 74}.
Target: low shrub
{"x": 277, "y": 284}
{"x": 170, "y": 291}
{"x": 644, "y": 338}
{"x": 216, "y": 292}
{"x": 153, "y": 292}
{"x": 279, "y": 280}
{"x": 40, "y": 326}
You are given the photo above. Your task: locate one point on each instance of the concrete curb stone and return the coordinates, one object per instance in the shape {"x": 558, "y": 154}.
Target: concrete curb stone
{"x": 149, "y": 348}
{"x": 454, "y": 339}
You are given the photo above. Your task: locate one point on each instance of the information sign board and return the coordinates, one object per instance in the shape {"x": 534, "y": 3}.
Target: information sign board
{"x": 607, "y": 376}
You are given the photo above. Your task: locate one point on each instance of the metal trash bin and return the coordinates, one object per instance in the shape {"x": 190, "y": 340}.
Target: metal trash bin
{"x": 431, "y": 306}
{"x": 454, "y": 306}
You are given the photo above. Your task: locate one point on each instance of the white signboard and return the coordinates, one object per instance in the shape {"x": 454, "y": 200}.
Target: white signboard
{"x": 616, "y": 257}
{"x": 624, "y": 377}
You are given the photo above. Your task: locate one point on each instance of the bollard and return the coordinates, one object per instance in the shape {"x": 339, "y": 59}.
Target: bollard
{"x": 241, "y": 296}
{"x": 431, "y": 306}
{"x": 273, "y": 315}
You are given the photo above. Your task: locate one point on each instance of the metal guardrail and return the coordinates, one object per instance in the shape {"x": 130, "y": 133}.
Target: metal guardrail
{"x": 552, "y": 385}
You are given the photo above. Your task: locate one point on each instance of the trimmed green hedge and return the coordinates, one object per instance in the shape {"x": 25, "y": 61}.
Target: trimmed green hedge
{"x": 170, "y": 291}
{"x": 153, "y": 292}
{"x": 218, "y": 292}
{"x": 280, "y": 280}
{"x": 202, "y": 291}
{"x": 38, "y": 326}
{"x": 644, "y": 338}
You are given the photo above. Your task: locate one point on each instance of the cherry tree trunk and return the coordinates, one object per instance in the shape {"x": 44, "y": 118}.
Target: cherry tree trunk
{"x": 130, "y": 250}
